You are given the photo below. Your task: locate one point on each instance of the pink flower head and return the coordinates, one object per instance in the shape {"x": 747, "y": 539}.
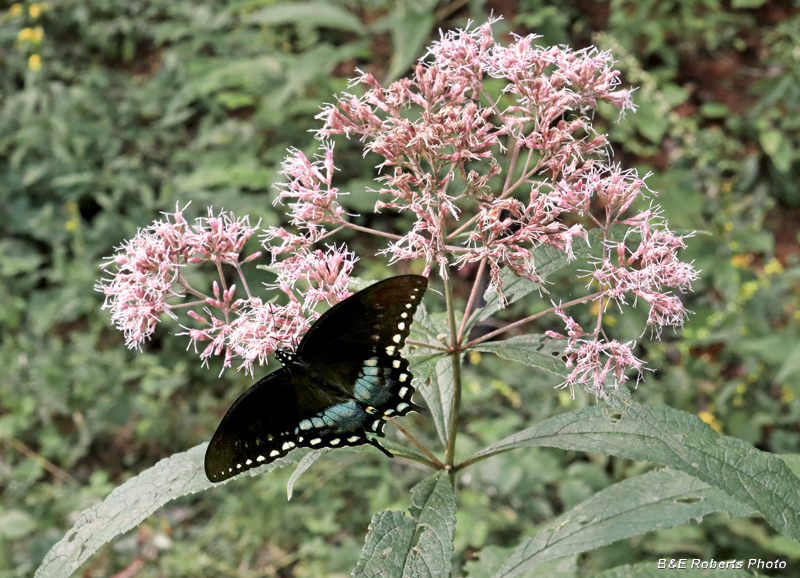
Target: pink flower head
{"x": 147, "y": 270}
{"x": 219, "y": 239}
{"x": 325, "y": 273}
{"x": 489, "y": 152}
{"x": 144, "y": 271}
{"x": 263, "y": 328}
{"x": 310, "y": 187}
{"x": 595, "y": 361}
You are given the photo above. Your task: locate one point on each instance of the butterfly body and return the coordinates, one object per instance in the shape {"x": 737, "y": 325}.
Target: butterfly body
{"x": 345, "y": 379}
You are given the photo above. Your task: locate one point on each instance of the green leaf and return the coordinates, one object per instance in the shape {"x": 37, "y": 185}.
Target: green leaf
{"x": 410, "y": 31}
{"x": 779, "y": 149}
{"x": 214, "y": 75}
{"x": 74, "y": 179}
{"x": 15, "y": 524}
{"x": 793, "y": 461}
{"x": 303, "y": 465}
{"x": 677, "y": 439}
{"x": 424, "y": 328}
{"x": 714, "y": 110}
{"x": 790, "y": 367}
{"x": 398, "y": 449}
{"x": 490, "y": 558}
{"x": 433, "y": 370}
{"x": 232, "y": 99}
{"x": 433, "y": 378}
{"x": 131, "y": 503}
{"x": 535, "y": 350}
{"x": 745, "y": 4}
{"x": 419, "y": 546}
{"x": 651, "y": 570}
{"x": 308, "y": 14}
{"x": 659, "y": 499}
{"x": 303, "y": 70}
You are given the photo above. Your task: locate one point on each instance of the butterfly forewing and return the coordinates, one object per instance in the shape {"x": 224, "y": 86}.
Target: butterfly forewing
{"x": 345, "y": 378}
{"x": 356, "y": 344}
{"x": 379, "y": 317}
{"x": 254, "y": 431}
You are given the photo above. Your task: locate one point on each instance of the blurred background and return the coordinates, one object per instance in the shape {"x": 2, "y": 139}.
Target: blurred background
{"x": 111, "y": 112}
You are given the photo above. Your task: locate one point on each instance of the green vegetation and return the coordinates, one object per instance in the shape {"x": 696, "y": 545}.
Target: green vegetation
{"x": 111, "y": 112}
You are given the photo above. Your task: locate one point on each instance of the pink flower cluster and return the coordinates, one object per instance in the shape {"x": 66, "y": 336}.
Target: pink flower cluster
{"x": 147, "y": 281}
{"x": 492, "y": 150}
{"x": 441, "y": 133}
{"x": 147, "y": 270}
{"x": 594, "y": 359}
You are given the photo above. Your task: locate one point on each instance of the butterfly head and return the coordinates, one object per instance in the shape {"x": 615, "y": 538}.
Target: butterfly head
{"x": 286, "y": 356}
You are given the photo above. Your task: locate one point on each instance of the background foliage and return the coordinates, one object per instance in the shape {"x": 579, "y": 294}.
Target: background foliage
{"x": 111, "y": 112}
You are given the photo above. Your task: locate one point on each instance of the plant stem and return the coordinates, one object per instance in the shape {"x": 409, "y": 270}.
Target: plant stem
{"x": 42, "y": 461}
{"x": 471, "y": 461}
{"x": 472, "y": 296}
{"x": 425, "y": 450}
{"x": 530, "y": 318}
{"x": 455, "y": 353}
{"x": 424, "y": 345}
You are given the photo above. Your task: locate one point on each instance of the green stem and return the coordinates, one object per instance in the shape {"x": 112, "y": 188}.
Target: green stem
{"x": 471, "y": 461}
{"x": 533, "y": 317}
{"x": 455, "y": 352}
{"x": 472, "y": 297}
{"x": 434, "y": 460}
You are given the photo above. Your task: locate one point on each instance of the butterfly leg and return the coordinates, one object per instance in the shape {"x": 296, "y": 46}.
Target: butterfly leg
{"x": 377, "y": 444}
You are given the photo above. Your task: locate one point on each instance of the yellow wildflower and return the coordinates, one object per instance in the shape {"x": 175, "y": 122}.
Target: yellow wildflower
{"x": 709, "y": 418}
{"x": 774, "y": 267}
{"x": 742, "y": 261}
{"x": 34, "y": 35}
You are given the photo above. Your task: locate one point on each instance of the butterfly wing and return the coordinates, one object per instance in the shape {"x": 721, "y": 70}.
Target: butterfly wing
{"x": 376, "y": 310}
{"x": 255, "y": 430}
{"x": 346, "y": 376}
{"x": 354, "y": 348}
{"x": 284, "y": 410}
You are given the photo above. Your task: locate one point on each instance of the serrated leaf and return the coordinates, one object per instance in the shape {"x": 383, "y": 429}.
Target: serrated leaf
{"x": 426, "y": 327}
{"x": 419, "y": 545}
{"x": 534, "y": 350}
{"x": 433, "y": 372}
{"x": 490, "y": 558}
{"x": 666, "y": 436}
{"x": 656, "y": 500}
{"x": 302, "y": 466}
{"x": 131, "y": 503}
{"x": 433, "y": 378}
{"x": 651, "y": 570}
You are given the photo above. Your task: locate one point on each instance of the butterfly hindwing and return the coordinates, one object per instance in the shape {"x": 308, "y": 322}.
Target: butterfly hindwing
{"x": 346, "y": 377}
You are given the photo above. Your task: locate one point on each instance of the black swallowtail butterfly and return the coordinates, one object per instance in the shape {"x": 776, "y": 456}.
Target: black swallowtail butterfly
{"x": 345, "y": 378}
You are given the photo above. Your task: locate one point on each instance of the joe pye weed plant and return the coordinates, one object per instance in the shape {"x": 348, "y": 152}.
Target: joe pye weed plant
{"x": 490, "y": 149}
